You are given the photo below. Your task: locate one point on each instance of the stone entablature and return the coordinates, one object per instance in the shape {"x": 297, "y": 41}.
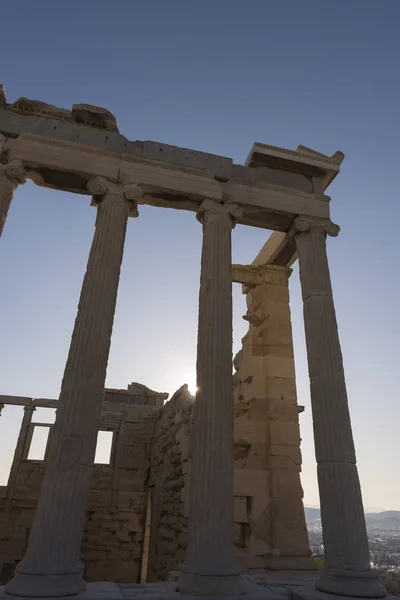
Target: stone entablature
{"x": 65, "y": 155}
{"x": 91, "y": 116}
{"x": 69, "y": 166}
{"x": 305, "y": 160}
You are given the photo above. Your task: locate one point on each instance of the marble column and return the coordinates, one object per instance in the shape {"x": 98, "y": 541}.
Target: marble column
{"x": 11, "y": 174}
{"x": 348, "y": 571}
{"x": 52, "y": 564}
{"x": 210, "y": 566}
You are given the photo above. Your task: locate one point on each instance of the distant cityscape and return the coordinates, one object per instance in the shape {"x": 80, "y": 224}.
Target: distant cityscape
{"x": 383, "y": 535}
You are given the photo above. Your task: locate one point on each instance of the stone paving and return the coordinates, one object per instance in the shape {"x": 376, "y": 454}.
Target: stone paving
{"x": 257, "y": 585}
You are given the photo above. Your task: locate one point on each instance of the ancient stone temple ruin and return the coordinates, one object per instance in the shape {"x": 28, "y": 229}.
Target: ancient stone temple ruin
{"x": 197, "y": 494}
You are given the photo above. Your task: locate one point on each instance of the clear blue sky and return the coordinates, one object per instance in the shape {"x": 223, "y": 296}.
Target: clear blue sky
{"x": 215, "y": 76}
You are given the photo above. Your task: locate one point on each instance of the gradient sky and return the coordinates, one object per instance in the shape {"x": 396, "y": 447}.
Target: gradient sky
{"x": 215, "y": 76}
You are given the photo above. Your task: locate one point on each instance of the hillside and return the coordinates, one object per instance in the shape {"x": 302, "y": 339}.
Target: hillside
{"x": 386, "y": 520}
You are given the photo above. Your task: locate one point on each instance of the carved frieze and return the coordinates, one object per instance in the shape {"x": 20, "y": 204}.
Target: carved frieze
{"x": 251, "y": 275}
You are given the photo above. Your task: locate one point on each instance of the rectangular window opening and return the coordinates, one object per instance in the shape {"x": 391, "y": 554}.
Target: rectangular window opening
{"x": 37, "y": 449}
{"x": 103, "y": 448}
{"x": 44, "y": 415}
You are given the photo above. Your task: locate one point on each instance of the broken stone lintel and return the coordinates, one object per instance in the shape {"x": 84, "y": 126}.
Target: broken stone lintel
{"x": 24, "y": 401}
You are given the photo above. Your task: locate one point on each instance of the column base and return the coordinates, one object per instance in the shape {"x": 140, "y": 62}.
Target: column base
{"x": 29, "y": 584}
{"x": 356, "y": 584}
{"x": 210, "y": 584}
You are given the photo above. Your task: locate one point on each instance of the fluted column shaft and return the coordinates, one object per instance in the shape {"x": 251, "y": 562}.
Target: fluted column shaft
{"x": 11, "y": 174}
{"x": 210, "y": 567}
{"x": 52, "y": 564}
{"x": 348, "y": 569}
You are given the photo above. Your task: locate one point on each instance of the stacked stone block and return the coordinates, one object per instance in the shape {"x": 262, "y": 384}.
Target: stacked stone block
{"x": 169, "y": 482}
{"x": 112, "y": 546}
{"x": 267, "y": 437}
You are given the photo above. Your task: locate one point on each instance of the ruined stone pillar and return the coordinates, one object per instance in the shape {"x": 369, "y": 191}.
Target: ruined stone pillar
{"x": 11, "y": 174}
{"x": 20, "y": 449}
{"x": 210, "y": 566}
{"x": 267, "y": 421}
{"x": 52, "y": 564}
{"x": 348, "y": 569}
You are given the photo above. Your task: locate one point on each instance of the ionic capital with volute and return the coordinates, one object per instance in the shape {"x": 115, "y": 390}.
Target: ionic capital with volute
{"x": 13, "y": 172}
{"x": 104, "y": 190}
{"x": 218, "y": 212}
{"x": 314, "y": 226}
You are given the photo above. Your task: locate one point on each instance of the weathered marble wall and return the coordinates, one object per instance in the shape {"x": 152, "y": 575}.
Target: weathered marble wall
{"x": 267, "y": 436}
{"x": 169, "y": 482}
{"x": 151, "y": 454}
{"x": 113, "y": 539}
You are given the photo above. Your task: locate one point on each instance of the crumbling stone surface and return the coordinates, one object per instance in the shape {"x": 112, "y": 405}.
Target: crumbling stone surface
{"x": 267, "y": 435}
{"x": 93, "y": 116}
{"x": 169, "y": 482}
{"x": 112, "y": 544}
{"x": 151, "y": 460}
